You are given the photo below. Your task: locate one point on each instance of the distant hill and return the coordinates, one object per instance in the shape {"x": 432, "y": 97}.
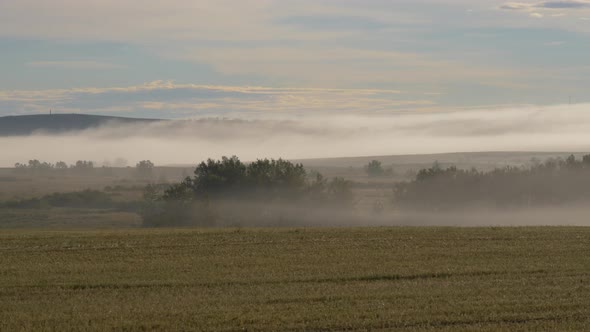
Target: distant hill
{"x": 22, "y": 125}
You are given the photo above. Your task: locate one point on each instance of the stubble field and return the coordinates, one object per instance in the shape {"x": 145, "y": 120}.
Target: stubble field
{"x": 296, "y": 279}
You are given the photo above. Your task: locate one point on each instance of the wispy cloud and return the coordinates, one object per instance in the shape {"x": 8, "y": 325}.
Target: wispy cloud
{"x": 340, "y": 67}
{"x": 555, "y": 43}
{"x": 516, "y": 6}
{"x": 340, "y": 23}
{"x": 74, "y": 64}
{"x": 564, "y": 4}
{"x": 171, "y": 100}
{"x": 415, "y": 46}
{"x": 561, "y": 5}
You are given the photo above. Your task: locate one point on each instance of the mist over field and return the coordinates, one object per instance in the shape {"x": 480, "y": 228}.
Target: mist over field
{"x": 294, "y": 165}
{"x": 530, "y": 128}
{"x": 573, "y": 214}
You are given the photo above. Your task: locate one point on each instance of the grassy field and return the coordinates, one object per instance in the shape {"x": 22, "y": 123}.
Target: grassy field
{"x": 296, "y": 279}
{"x": 126, "y": 185}
{"x": 19, "y": 185}
{"x": 123, "y": 185}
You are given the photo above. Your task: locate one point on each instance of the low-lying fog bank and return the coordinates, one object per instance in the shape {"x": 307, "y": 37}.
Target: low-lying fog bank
{"x": 541, "y": 216}
{"x": 269, "y": 215}
{"x": 556, "y": 128}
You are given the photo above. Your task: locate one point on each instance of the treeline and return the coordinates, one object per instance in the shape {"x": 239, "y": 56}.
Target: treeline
{"x": 229, "y": 192}
{"x": 36, "y": 165}
{"x": 375, "y": 169}
{"x": 555, "y": 181}
{"x": 143, "y": 167}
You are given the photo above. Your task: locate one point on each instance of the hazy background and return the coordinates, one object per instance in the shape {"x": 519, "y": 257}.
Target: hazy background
{"x": 554, "y": 128}
{"x": 309, "y": 78}
{"x": 304, "y": 78}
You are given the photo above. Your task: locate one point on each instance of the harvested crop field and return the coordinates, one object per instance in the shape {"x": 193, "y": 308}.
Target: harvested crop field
{"x": 296, "y": 279}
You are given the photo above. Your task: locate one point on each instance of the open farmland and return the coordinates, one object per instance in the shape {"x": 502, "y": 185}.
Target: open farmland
{"x": 296, "y": 279}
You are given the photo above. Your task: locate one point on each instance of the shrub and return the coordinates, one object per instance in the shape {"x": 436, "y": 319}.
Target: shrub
{"x": 374, "y": 168}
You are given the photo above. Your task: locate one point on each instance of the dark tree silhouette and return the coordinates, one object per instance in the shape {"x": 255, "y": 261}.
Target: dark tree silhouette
{"x": 374, "y": 168}
{"x": 61, "y": 165}
{"x": 228, "y": 189}
{"x": 145, "y": 168}
{"x": 555, "y": 181}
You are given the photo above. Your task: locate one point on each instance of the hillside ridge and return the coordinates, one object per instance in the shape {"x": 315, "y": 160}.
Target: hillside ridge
{"x": 22, "y": 125}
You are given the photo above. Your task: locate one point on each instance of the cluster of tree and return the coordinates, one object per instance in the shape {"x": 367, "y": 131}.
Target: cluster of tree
{"x": 36, "y": 165}
{"x": 229, "y": 192}
{"x": 144, "y": 168}
{"x": 555, "y": 181}
{"x": 375, "y": 169}
{"x": 83, "y": 165}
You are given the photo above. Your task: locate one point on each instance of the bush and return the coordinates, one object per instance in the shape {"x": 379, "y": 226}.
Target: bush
{"x": 374, "y": 168}
{"x": 144, "y": 168}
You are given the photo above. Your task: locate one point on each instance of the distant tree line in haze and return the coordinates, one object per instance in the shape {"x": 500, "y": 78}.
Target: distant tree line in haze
{"x": 269, "y": 192}
{"x": 144, "y": 168}
{"x": 555, "y": 181}
{"x": 36, "y": 166}
{"x": 229, "y": 192}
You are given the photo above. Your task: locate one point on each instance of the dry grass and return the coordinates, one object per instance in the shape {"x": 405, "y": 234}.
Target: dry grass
{"x": 64, "y": 218}
{"x": 19, "y": 185}
{"x": 296, "y": 279}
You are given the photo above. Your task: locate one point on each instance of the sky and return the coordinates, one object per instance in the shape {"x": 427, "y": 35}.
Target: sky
{"x": 265, "y": 58}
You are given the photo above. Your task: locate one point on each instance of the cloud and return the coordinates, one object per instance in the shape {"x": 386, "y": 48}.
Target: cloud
{"x": 515, "y": 6}
{"x": 565, "y": 4}
{"x": 74, "y": 64}
{"x": 270, "y": 42}
{"x": 175, "y": 20}
{"x": 341, "y": 66}
{"x": 416, "y": 46}
{"x": 334, "y": 22}
{"x": 172, "y": 100}
{"x": 555, "y": 43}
